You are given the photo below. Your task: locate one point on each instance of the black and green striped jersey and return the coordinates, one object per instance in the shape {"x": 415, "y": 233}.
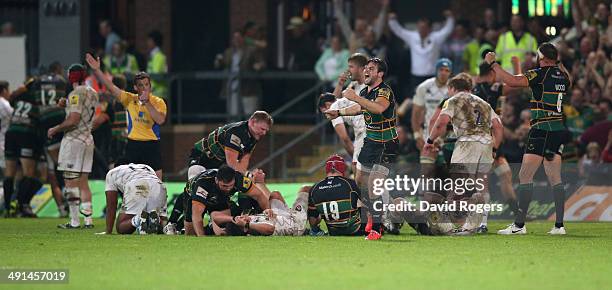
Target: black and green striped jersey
{"x": 380, "y": 127}
{"x": 549, "y": 85}
{"x": 334, "y": 199}
{"x": 26, "y": 113}
{"x": 52, "y": 88}
{"x": 210, "y": 150}
{"x": 203, "y": 188}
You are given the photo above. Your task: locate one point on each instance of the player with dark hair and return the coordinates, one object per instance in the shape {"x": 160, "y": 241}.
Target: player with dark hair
{"x": 231, "y": 144}
{"x": 210, "y": 191}
{"x": 549, "y": 83}
{"x": 77, "y": 147}
{"x": 23, "y": 145}
{"x": 335, "y": 200}
{"x": 377, "y": 104}
{"x": 146, "y": 113}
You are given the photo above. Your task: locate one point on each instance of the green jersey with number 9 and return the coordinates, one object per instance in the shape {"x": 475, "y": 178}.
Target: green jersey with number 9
{"x": 549, "y": 85}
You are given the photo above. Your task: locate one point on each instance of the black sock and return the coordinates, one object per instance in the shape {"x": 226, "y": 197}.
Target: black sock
{"x": 35, "y": 186}
{"x": 9, "y": 188}
{"x": 376, "y": 214}
{"x": 22, "y": 191}
{"x": 513, "y": 205}
{"x": 525, "y": 192}
{"x": 178, "y": 208}
{"x": 559, "y": 194}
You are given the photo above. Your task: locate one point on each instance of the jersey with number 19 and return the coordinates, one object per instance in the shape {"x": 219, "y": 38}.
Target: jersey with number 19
{"x": 76, "y": 149}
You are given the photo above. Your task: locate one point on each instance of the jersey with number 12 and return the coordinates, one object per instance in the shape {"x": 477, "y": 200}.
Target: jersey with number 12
{"x": 82, "y": 100}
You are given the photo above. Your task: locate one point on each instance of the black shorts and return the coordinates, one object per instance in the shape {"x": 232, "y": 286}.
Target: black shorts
{"x": 142, "y": 152}
{"x": 22, "y": 145}
{"x": 383, "y": 153}
{"x": 546, "y": 143}
{"x": 117, "y": 149}
{"x": 47, "y": 124}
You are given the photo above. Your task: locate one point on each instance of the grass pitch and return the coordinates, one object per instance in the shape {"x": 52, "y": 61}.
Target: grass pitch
{"x": 580, "y": 260}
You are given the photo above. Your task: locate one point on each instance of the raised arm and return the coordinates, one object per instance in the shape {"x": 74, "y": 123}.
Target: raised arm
{"x": 94, "y": 64}
{"x": 379, "y": 23}
{"x": 442, "y": 34}
{"x": 504, "y": 76}
{"x": 408, "y": 36}
{"x": 343, "y": 22}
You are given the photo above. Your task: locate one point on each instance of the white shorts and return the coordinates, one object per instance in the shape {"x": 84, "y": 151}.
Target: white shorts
{"x": 472, "y": 157}
{"x": 194, "y": 170}
{"x": 2, "y": 163}
{"x": 357, "y": 145}
{"x": 144, "y": 195}
{"x": 288, "y": 222}
{"x": 75, "y": 156}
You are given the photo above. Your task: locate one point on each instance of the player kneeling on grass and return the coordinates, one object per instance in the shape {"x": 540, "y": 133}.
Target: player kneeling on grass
{"x": 278, "y": 220}
{"x": 211, "y": 191}
{"x": 335, "y": 200}
{"x": 144, "y": 200}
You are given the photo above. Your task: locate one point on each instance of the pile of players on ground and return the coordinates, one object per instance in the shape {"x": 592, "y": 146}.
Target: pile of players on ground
{"x": 218, "y": 162}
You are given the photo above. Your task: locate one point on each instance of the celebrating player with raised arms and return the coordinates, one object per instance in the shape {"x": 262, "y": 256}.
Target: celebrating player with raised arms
{"x": 549, "y": 83}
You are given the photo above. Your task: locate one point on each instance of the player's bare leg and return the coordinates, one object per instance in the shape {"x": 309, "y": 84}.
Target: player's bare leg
{"x": 553, "y": 172}
{"x": 189, "y": 230}
{"x": 125, "y": 224}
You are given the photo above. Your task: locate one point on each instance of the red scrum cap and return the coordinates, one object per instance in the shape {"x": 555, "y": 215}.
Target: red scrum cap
{"x": 335, "y": 162}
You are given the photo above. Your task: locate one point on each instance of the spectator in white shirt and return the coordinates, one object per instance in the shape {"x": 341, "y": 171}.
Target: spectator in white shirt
{"x": 424, "y": 46}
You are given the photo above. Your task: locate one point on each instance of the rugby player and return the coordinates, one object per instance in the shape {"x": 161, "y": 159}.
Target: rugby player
{"x": 278, "y": 220}
{"x": 335, "y": 200}
{"x": 145, "y": 112}
{"x": 356, "y": 64}
{"x": 377, "y": 104}
{"x": 427, "y": 97}
{"x": 210, "y": 191}
{"x": 144, "y": 200}
{"x": 479, "y": 132}
{"x": 549, "y": 83}
{"x": 493, "y": 92}
{"x": 231, "y": 144}
{"x": 77, "y": 146}
{"x": 23, "y": 145}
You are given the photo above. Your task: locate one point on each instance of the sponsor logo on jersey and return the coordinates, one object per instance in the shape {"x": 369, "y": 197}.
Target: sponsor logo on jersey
{"x": 201, "y": 192}
{"x": 74, "y": 100}
{"x": 235, "y": 140}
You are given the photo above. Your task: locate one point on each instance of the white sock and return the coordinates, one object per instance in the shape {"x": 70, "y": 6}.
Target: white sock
{"x": 86, "y": 211}
{"x": 73, "y": 205}
{"x": 136, "y": 221}
{"x": 485, "y": 214}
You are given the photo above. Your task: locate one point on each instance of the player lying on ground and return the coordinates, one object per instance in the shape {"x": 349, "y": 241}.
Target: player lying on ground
{"x": 231, "y": 144}
{"x": 278, "y": 220}
{"x": 335, "y": 200}
{"x": 144, "y": 200}
{"x": 211, "y": 191}
{"x": 441, "y": 223}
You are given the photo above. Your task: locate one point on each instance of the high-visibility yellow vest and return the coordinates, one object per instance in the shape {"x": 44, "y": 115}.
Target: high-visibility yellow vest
{"x": 507, "y": 47}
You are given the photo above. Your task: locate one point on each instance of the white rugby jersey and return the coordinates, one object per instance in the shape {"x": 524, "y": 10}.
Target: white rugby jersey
{"x": 118, "y": 177}
{"x": 6, "y": 111}
{"x": 471, "y": 116}
{"x": 82, "y": 100}
{"x": 356, "y": 122}
{"x": 429, "y": 95}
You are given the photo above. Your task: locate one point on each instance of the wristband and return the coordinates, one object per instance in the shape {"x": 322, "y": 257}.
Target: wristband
{"x": 429, "y": 141}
